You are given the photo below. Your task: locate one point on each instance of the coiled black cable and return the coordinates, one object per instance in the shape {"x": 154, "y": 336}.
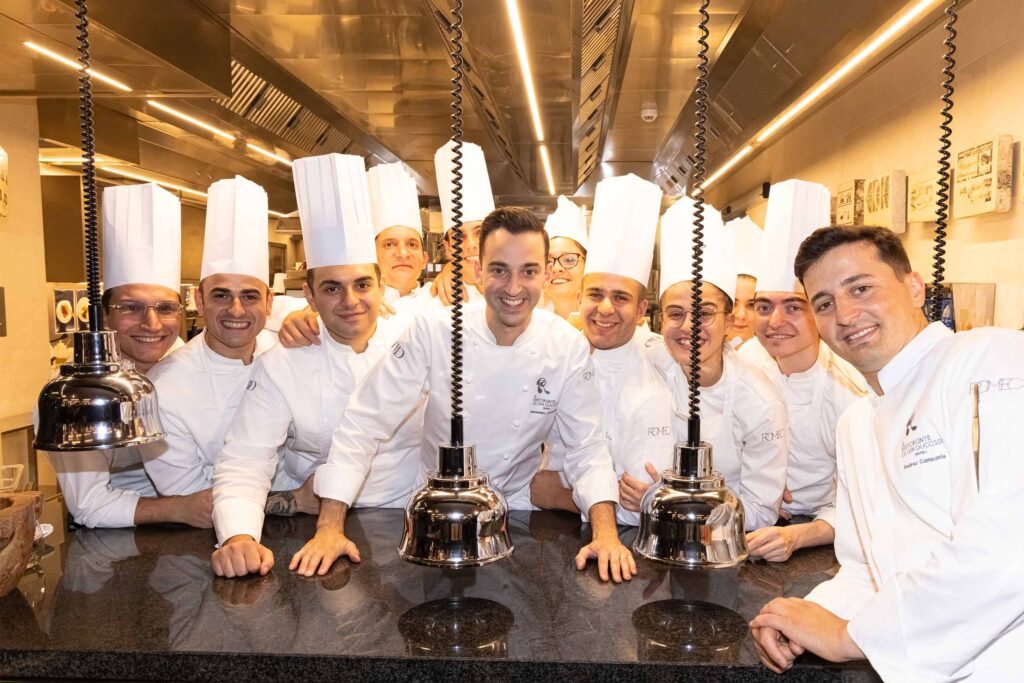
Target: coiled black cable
{"x": 699, "y": 170}
{"x": 92, "y": 252}
{"x": 942, "y": 203}
{"x": 457, "y": 237}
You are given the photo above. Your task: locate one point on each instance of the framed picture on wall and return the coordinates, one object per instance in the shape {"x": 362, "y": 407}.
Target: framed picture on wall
{"x": 922, "y": 196}
{"x": 885, "y": 201}
{"x": 984, "y": 178}
{"x": 850, "y": 203}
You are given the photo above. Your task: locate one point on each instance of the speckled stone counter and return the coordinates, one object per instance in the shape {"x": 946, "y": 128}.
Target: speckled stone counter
{"x": 143, "y": 605}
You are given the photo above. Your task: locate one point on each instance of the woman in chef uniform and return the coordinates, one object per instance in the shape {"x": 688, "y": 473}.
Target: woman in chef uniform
{"x": 200, "y": 386}
{"x": 743, "y": 245}
{"x": 295, "y": 397}
{"x": 930, "y": 496}
{"x": 742, "y": 415}
{"x": 142, "y": 266}
{"x": 636, "y": 404}
{"x": 816, "y": 385}
{"x": 567, "y": 258}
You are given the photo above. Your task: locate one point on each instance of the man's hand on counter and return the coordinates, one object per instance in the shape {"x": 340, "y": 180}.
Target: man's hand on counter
{"x": 241, "y": 555}
{"x": 612, "y": 557}
{"x": 788, "y": 627}
{"x": 329, "y": 543}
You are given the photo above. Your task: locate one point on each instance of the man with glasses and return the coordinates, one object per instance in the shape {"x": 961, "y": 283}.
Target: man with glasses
{"x": 567, "y": 232}
{"x": 816, "y": 385}
{"x": 742, "y": 414}
{"x": 142, "y": 267}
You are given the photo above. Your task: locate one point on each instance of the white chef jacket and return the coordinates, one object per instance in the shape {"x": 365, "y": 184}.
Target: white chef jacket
{"x": 285, "y": 420}
{"x": 743, "y": 417}
{"x": 513, "y": 397}
{"x": 413, "y": 303}
{"x": 102, "y": 488}
{"x": 930, "y": 576}
{"x": 198, "y": 391}
{"x": 636, "y": 411}
{"x": 283, "y": 305}
{"x": 815, "y": 399}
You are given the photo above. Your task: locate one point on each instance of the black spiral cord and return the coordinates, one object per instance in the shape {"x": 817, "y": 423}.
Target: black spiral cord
{"x": 457, "y": 68}
{"x": 942, "y": 204}
{"x": 92, "y": 252}
{"x": 699, "y": 170}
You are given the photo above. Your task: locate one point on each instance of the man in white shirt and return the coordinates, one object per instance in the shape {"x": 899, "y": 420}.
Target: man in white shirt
{"x": 567, "y": 258}
{"x": 636, "y": 404}
{"x": 398, "y": 234}
{"x": 528, "y": 377}
{"x": 930, "y": 479}
{"x": 742, "y": 415}
{"x": 295, "y": 397}
{"x": 142, "y": 267}
{"x": 743, "y": 244}
{"x": 816, "y": 385}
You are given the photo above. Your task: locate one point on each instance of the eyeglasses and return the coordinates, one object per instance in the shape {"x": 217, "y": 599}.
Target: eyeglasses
{"x": 568, "y": 260}
{"x": 136, "y": 310}
{"x": 677, "y": 317}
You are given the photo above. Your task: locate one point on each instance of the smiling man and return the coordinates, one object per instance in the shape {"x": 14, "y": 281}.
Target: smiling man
{"x": 635, "y": 403}
{"x": 142, "y": 266}
{"x": 930, "y": 479}
{"x": 816, "y": 385}
{"x": 528, "y": 378}
{"x": 295, "y": 397}
{"x": 567, "y": 258}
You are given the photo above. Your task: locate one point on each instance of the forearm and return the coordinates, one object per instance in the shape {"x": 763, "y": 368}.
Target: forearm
{"x": 811, "y": 534}
{"x": 602, "y": 519}
{"x": 156, "y": 510}
{"x": 332, "y": 515}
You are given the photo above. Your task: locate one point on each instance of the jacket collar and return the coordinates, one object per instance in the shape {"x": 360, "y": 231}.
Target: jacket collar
{"x": 910, "y": 356}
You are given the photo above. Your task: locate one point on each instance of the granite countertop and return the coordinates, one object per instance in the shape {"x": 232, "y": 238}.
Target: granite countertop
{"x": 143, "y": 604}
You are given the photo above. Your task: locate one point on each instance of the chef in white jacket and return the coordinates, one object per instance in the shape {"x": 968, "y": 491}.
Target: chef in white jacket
{"x": 930, "y": 497}
{"x": 398, "y": 234}
{"x": 200, "y": 386}
{"x": 742, "y": 414}
{"x": 816, "y": 385}
{"x": 635, "y": 403}
{"x": 295, "y": 397}
{"x": 567, "y": 258}
{"x": 528, "y": 377}
{"x": 142, "y": 268}
{"x": 743, "y": 240}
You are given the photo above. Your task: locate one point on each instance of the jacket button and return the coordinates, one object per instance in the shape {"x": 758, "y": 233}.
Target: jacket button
{"x": 505, "y": 457}
{"x": 526, "y": 387}
{"x": 515, "y": 423}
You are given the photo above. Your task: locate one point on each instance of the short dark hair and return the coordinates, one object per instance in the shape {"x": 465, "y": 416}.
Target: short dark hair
{"x": 824, "y": 240}
{"x": 517, "y": 220}
{"x": 311, "y": 271}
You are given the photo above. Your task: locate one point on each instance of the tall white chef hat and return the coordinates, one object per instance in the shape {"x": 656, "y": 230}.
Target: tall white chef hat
{"x": 743, "y": 242}
{"x": 795, "y": 209}
{"x": 568, "y": 221}
{"x": 623, "y": 227}
{"x": 677, "y": 248}
{"x": 393, "y": 198}
{"x": 141, "y": 236}
{"x": 334, "y": 209}
{"x": 477, "y": 199}
{"x": 236, "y": 230}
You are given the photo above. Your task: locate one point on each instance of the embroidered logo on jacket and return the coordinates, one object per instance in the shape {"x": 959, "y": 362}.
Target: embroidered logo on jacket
{"x": 397, "y": 351}
{"x": 542, "y": 386}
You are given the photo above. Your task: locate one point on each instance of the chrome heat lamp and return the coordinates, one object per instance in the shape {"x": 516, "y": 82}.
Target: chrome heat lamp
{"x": 457, "y": 520}
{"x": 690, "y": 517}
{"x": 98, "y": 401}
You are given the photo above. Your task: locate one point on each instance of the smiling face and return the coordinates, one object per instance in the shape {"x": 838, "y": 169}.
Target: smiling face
{"x": 611, "y": 306}
{"x": 512, "y": 272}
{"x": 235, "y": 308}
{"x": 147, "y": 338}
{"x": 743, "y": 308}
{"x": 677, "y": 330}
{"x": 785, "y": 327}
{"x": 401, "y": 257}
{"x": 348, "y": 300}
{"x": 565, "y": 282}
{"x": 864, "y": 310}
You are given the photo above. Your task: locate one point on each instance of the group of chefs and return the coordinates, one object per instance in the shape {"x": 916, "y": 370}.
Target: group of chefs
{"x": 835, "y": 411}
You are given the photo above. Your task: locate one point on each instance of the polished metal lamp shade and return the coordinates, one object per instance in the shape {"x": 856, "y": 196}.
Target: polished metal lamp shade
{"x": 690, "y": 518}
{"x": 456, "y": 520}
{"x": 98, "y": 401}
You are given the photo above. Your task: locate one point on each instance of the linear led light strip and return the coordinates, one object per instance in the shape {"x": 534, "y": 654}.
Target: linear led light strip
{"x": 76, "y": 66}
{"x": 901, "y": 24}
{"x": 519, "y": 38}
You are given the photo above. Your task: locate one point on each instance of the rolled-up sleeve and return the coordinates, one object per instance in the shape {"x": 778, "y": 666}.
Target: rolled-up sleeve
{"x": 92, "y": 500}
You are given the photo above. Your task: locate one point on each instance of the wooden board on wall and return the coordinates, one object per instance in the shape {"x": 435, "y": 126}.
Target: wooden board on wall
{"x": 850, "y": 203}
{"x": 984, "y": 178}
{"x": 885, "y": 201}
{"x": 922, "y": 195}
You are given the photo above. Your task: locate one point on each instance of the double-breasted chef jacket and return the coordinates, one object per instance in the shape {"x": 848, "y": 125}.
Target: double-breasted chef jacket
{"x": 743, "y": 417}
{"x": 513, "y": 396}
{"x": 283, "y": 426}
{"x": 198, "y": 391}
{"x": 931, "y": 560}
{"x": 815, "y": 399}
